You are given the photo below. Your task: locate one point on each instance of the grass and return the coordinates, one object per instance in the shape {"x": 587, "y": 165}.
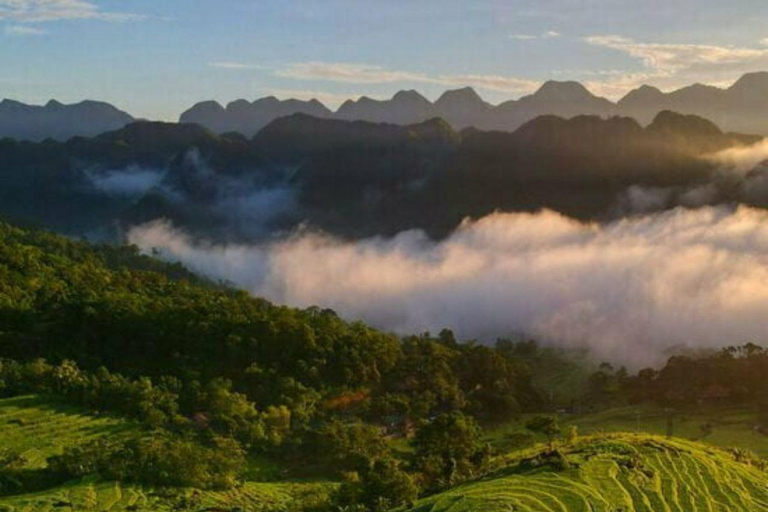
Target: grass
{"x": 618, "y": 472}
{"x": 94, "y": 495}
{"x": 608, "y": 473}
{"x": 38, "y": 428}
{"x": 732, "y": 426}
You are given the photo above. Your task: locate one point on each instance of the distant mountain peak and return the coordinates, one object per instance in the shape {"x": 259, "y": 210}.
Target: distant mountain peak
{"x": 59, "y": 121}
{"x": 643, "y": 94}
{"x": 463, "y": 96}
{"x": 565, "y": 90}
{"x": 753, "y": 82}
{"x": 238, "y": 105}
{"x": 410, "y": 95}
{"x": 667, "y": 122}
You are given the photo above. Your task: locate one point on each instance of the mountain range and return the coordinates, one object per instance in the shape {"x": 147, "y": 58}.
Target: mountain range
{"x": 57, "y": 121}
{"x": 742, "y": 108}
{"x": 359, "y": 179}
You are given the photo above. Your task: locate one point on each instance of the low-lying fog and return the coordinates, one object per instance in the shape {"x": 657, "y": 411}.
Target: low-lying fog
{"x": 629, "y": 289}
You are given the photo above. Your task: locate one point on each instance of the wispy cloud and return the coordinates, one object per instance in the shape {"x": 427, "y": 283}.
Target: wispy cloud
{"x": 669, "y": 58}
{"x": 228, "y": 64}
{"x": 348, "y": 73}
{"x": 673, "y": 65}
{"x": 549, "y": 34}
{"x": 496, "y": 83}
{"x": 39, "y": 11}
{"x": 23, "y": 31}
{"x": 371, "y": 74}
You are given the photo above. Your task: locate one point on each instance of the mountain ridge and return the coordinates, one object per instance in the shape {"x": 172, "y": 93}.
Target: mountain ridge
{"x": 59, "y": 121}
{"x": 742, "y": 107}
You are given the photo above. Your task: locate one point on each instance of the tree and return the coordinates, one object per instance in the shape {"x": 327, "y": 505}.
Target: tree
{"x": 449, "y": 448}
{"x": 546, "y": 425}
{"x": 381, "y": 487}
{"x": 348, "y": 446}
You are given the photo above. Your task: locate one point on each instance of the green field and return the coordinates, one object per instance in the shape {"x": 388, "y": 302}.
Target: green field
{"x": 622, "y": 472}
{"x": 608, "y": 472}
{"x": 732, "y": 426}
{"x": 100, "y": 496}
{"x": 39, "y": 428}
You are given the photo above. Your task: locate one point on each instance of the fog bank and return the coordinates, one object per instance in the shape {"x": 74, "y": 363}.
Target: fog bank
{"x": 628, "y": 290}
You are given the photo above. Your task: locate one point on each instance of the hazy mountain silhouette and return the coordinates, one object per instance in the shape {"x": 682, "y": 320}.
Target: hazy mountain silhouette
{"x": 405, "y": 107}
{"x": 361, "y": 179}
{"x": 743, "y": 107}
{"x": 248, "y": 118}
{"x": 463, "y": 108}
{"x": 57, "y": 121}
{"x": 564, "y": 99}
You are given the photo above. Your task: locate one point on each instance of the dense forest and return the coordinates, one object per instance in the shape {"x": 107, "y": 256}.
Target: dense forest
{"x": 201, "y": 365}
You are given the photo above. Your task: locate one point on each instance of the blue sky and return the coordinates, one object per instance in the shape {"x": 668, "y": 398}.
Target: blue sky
{"x": 156, "y": 58}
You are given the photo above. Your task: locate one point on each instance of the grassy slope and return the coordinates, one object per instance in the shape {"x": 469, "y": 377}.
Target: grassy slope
{"x": 733, "y": 426}
{"x": 671, "y": 476}
{"x": 40, "y": 428}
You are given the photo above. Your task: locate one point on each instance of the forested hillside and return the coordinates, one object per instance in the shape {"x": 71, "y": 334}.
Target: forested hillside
{"x": 215, "y": 376}
{"x": 157, "y": 379}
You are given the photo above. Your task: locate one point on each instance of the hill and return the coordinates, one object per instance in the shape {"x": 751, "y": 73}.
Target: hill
{"x": 610, "y": 473}
{"x": 246, "y": 117}
{"x": 57, "y": 121}
{"x": 39, "y": 427}
{"x": 360, "y": 179}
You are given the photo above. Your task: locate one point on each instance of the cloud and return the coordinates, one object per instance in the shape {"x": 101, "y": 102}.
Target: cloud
{"x": 348, "y": 73}
{"x": 491, "y": 83}
{"x": 131, "y": 182}
{"x": 233, "y": 65}
{"x": 549, "y": 34}
{"x": 371, "y": 74}
{"x": 673, "y": 65}
{"x": 23, "y": 30}
{"x": 628, "y": 289}
{"x": 670, "y": 58}
{"x": 38, "y": 11}
{"x": 742, "y": 159}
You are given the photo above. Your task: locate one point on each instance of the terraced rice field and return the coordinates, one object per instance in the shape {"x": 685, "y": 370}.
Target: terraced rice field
{"x": 731, "y": 426}
{"x": 39, "y": 428}
{"x": 114, "y": 497}
{"x": 623, "y": 473}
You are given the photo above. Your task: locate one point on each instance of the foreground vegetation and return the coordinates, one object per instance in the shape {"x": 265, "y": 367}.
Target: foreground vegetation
{"x": 630, "y": 473}
{"x": 37, "y": 429}
{"x": 130, "y": 384}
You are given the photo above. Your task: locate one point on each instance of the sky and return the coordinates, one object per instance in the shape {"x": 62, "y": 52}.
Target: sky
{"x": 155, "y": 59}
